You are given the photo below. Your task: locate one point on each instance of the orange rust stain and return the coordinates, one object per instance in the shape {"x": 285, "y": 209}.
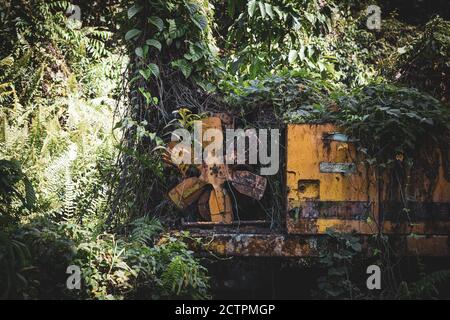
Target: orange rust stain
{"x": 306, "y": 149}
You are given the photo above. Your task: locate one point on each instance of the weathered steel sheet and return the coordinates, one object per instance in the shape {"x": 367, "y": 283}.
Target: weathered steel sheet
{"x": 261, "y": 245}
{"x": 353, "y": 210}
{"x": 289, "y": 246}
{"x": 328, "y": 187}
{"x": 337, "y": 167}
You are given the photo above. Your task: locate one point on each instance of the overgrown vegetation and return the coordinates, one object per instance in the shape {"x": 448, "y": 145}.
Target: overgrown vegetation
{"x": 344, "y": 265}
{"x": 85, "y": 112}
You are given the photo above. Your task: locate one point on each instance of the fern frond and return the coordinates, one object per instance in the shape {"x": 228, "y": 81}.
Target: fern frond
{"x": 145, "y": 229}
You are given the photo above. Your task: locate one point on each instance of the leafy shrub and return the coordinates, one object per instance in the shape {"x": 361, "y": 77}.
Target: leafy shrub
{"x": 16, "y": 191}
{"x": 112, "y": 266}
{"x": 338, "y": 257}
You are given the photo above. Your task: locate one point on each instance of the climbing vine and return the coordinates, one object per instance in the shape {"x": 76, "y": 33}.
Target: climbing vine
{"x": 174, "y": 65}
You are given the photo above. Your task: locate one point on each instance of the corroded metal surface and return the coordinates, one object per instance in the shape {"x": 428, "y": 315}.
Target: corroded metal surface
{"x": 203, "y": 206}
{"x": 428, "y": 245}
{"x": 355, "y": 210}
{"x": 187, "y": 192}
{"x": 337, "y": 167}
{"x": 249, "y": 184}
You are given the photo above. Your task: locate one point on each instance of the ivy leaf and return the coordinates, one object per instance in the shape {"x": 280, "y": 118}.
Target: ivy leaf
{"x": 174, "y": 31}
{"x": 195, "y": 53}
{"x": 157, "y": 22}
{"x": 153, "y": 69}
{"x": 184, "y": 66}
{"x": 251, "y": 6}
{"x": 292, "y": 56}
{"x": 139, "y": 52}
{"x": 154, "y": 43}
{"x": 269, "y": 10}
{"x": 200, "y": 21}
{"x": 134, "y": 10}
{"x": 146, "y": 94}
{"x": 132, "y": 34}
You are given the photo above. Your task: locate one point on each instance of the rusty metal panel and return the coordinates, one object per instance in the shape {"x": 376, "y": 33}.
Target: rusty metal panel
{"x": 428, "y": 245}
{"x": 308, "y": 189}
{"x": 354, "y": 210}
{"x": 327, "y": 185}
{"x": 249, "y": 184}
{"x": 187, "y": 192}
{"x": 430, "y": 227}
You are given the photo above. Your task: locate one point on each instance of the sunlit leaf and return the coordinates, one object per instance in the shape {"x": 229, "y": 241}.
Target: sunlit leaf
{"x": 133, "y": 11}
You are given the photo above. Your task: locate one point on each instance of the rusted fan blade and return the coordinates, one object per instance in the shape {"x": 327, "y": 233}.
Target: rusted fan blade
{"x": 214, "y": 174}
{"x": 203, "y": 205}
{"x": 211, "y": 123}
{"x": 249, "y": 184}
{"x": 187, "y": 192}
{"x": 167, "y": 155}
{"x": 220, "y": 206}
